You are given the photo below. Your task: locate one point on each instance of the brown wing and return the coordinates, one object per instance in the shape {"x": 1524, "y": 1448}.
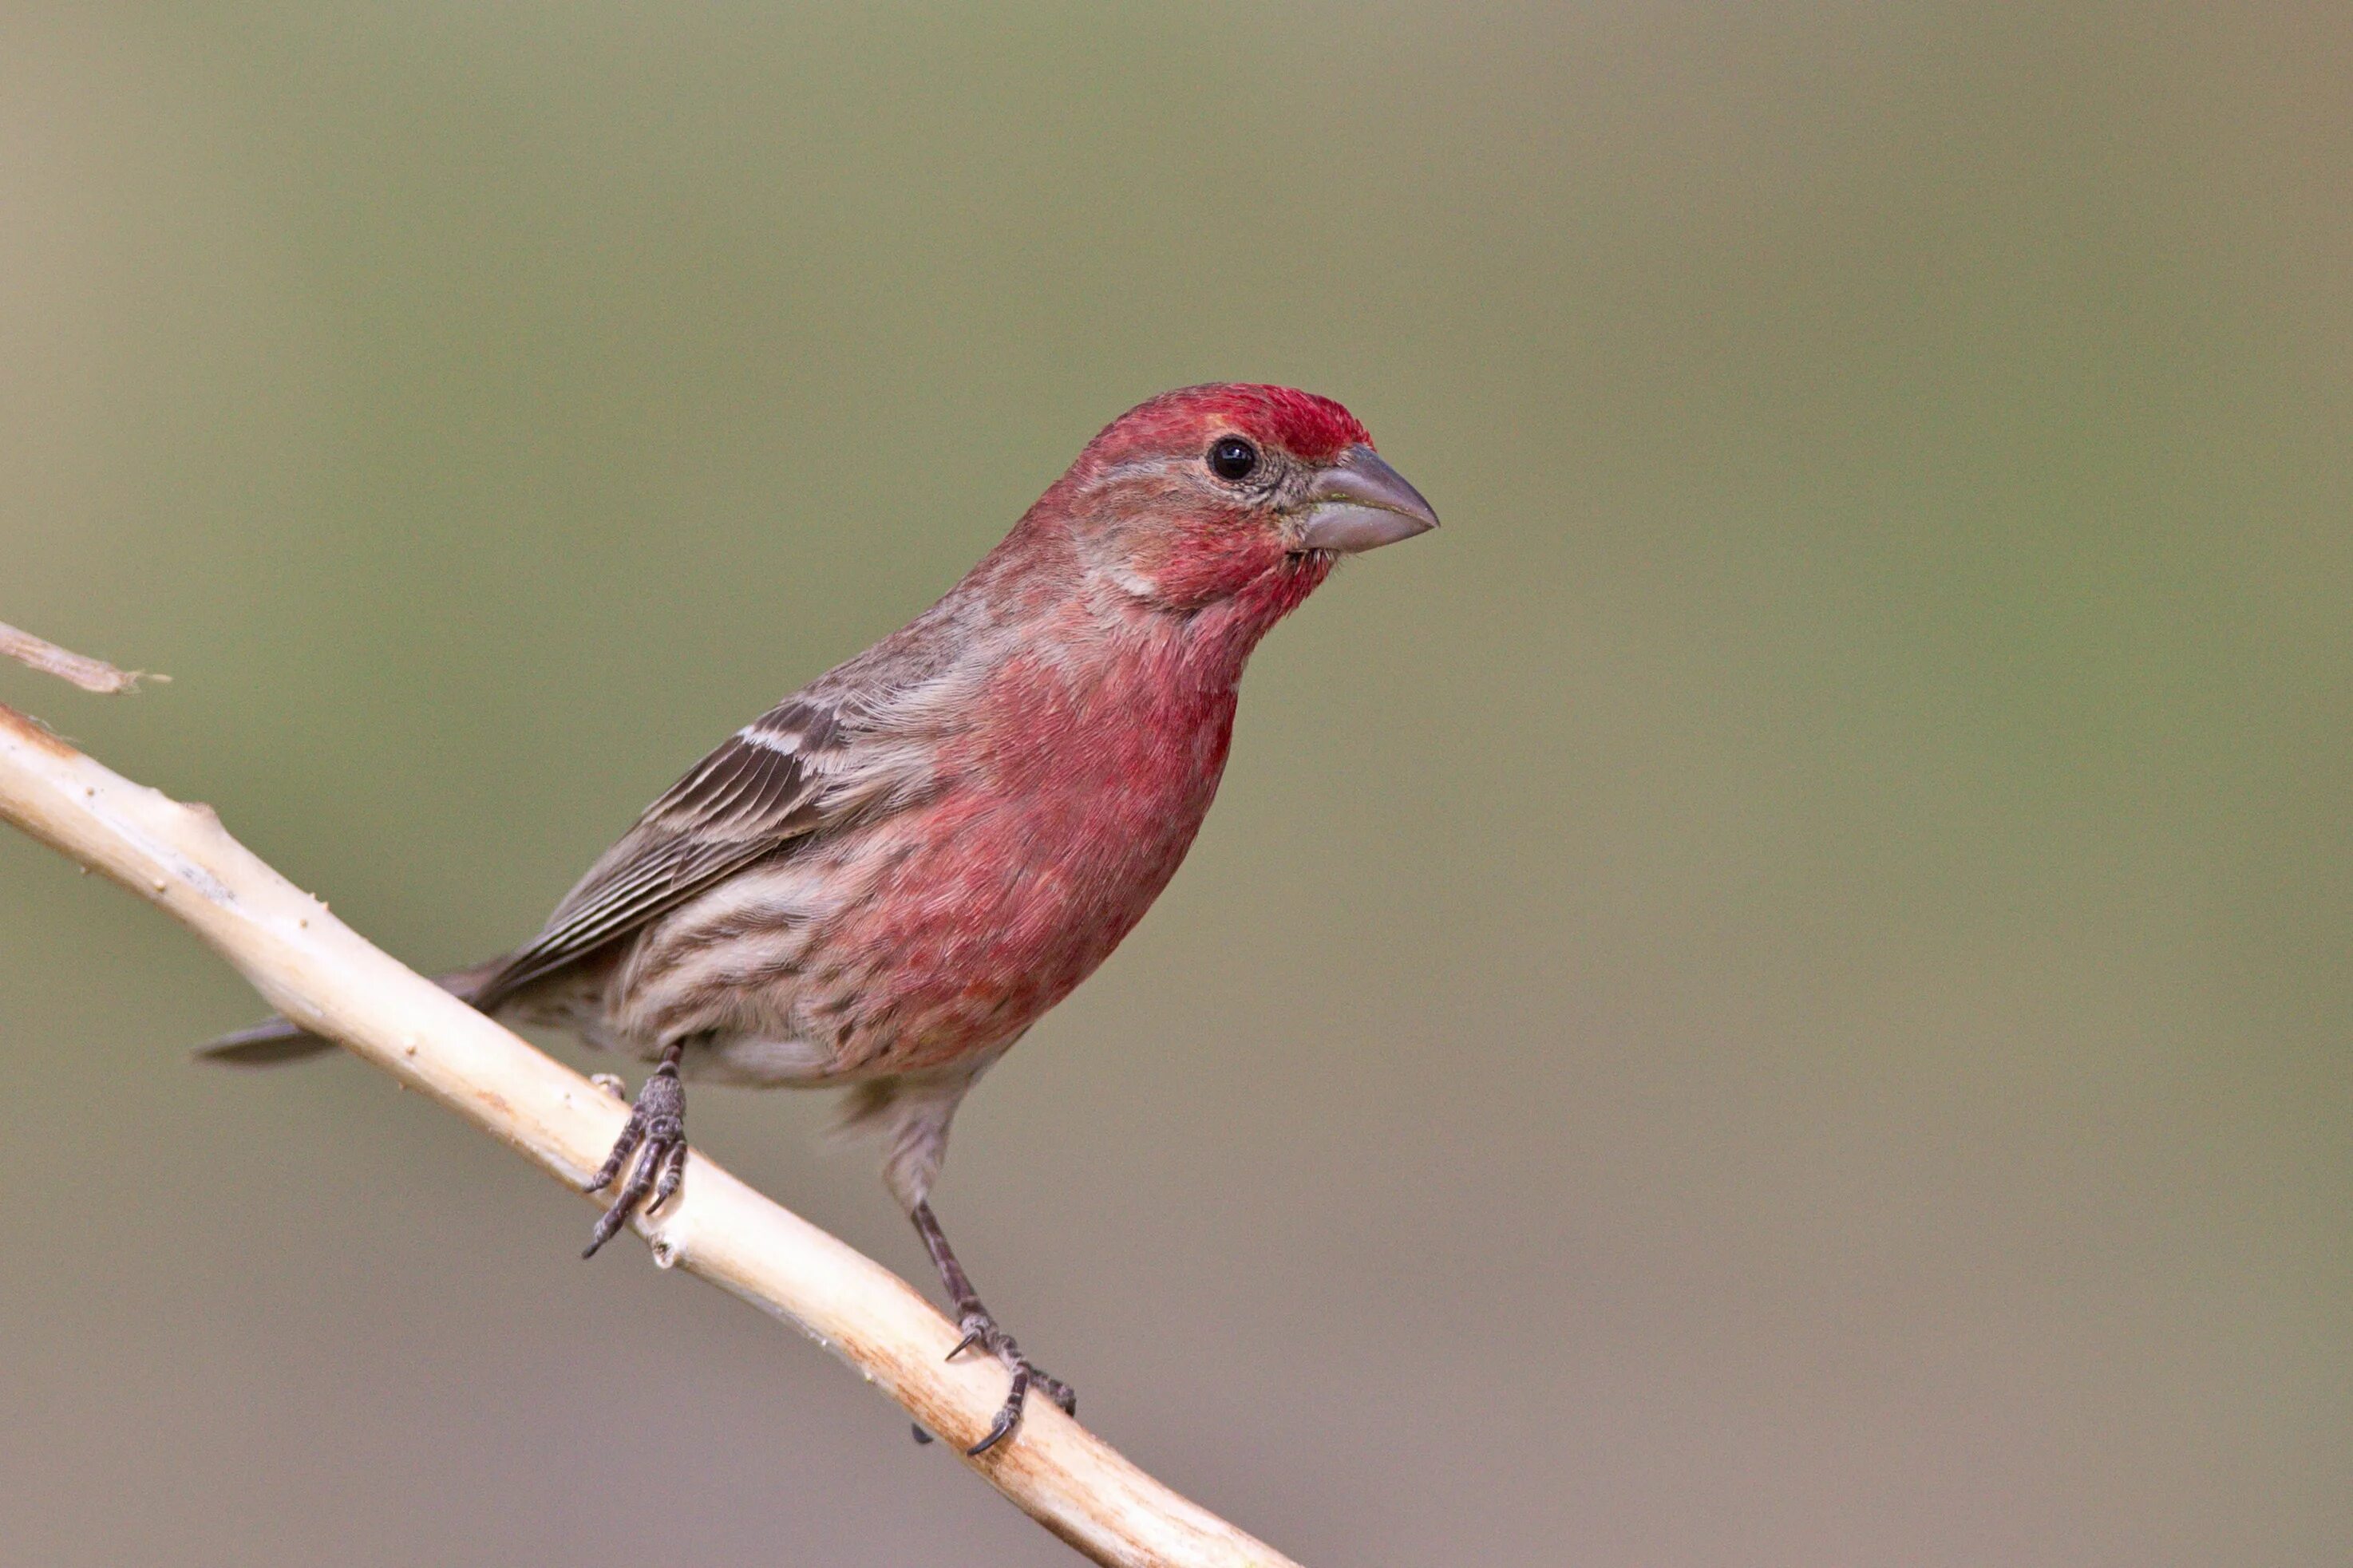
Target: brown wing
{"x": 760, "y": 791}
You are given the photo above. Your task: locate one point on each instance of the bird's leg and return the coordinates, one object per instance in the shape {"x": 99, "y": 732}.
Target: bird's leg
{"x": 656, "y": 1134}
{"x": 981, "y": 1333}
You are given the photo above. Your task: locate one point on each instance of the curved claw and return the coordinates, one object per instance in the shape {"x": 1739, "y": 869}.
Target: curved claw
{"x": 982, "y": 1334}
{"x": 655, "y": 1134}
{"x": 609, "y": 1224}
{"x": 673, "y": 1172}
{"x": 1009, "y": 1415}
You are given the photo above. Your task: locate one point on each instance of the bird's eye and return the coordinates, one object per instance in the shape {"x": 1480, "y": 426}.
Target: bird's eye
{"x": 1231, "y": 457}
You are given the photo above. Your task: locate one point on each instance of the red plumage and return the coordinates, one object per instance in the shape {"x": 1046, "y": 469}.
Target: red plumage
{"x": 888, "y": 877}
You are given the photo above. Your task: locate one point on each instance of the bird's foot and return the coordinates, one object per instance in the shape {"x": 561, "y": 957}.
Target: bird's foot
{"x": 981, "y": 1333}
{"x": 656, "y": 1133}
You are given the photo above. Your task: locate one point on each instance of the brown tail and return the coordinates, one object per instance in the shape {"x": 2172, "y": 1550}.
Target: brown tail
{"x": 277, "y": 1040}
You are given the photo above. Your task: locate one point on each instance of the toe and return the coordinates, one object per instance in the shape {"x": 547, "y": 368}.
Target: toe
{"x": 673, "y": 1171}
{"x": 608, "y": 1226}
{"x": 1008, "y": 1416}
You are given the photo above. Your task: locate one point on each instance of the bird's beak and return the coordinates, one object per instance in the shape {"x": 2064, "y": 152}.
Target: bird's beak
{"x": 1361, "y": 503}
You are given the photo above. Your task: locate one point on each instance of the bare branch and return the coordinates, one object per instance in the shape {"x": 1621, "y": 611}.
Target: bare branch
{"x": 90, "y": 674}
{"x": 317, "y": 970}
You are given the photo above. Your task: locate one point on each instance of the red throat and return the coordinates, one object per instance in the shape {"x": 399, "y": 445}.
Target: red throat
{"x": 1244, "y": 578}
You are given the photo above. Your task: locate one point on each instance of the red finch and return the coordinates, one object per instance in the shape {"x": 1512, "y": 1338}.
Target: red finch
{"x": 885, "y": 879}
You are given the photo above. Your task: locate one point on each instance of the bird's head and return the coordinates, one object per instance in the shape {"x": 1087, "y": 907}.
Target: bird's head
{"x": 1231, "y": 492}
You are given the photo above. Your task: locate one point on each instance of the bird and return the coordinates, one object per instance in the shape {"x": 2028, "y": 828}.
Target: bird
{"x": 884, "y": 881}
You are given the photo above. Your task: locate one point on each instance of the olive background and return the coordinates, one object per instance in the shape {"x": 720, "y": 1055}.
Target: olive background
{"x": 1777, "y": 992}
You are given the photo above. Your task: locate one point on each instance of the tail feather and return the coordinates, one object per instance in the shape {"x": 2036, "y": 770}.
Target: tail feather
{"x": 265, "y": 1045}
{"x": 276, "y": 1040}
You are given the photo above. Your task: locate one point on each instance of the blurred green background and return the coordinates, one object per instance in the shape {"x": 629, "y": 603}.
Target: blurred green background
{"x": 1777, "y": 993}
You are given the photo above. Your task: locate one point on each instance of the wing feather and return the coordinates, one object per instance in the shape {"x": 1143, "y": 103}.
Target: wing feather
{"x": 761, "y": 791}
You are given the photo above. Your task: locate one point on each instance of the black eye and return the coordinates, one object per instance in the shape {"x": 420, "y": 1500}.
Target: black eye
{"x": 1231, "y": 457}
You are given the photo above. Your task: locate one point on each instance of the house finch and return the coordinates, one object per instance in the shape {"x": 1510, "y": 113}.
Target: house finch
{"x": 885, "y": 879}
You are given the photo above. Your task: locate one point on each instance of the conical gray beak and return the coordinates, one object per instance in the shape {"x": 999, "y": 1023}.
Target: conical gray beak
{"x": 1361, "y": 503}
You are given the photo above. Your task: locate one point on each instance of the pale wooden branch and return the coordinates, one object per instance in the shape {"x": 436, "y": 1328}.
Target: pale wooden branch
{"x": 317, "y": 970}
{"x": 90, "y": 674}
